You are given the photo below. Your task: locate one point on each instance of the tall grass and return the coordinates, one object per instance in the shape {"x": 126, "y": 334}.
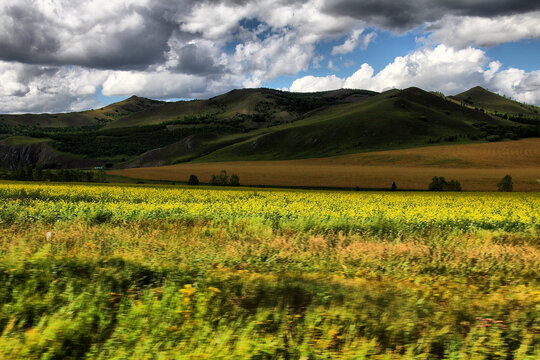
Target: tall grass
{"x": 258, "y": 287}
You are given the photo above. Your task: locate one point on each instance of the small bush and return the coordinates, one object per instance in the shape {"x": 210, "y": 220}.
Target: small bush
{"x": 234, "y": 180}
{"x": 220, "y": 180}
{"x": 453, "y": 185}
{"x": 506, "y": 184}
{"x": 493, "y": 138}
{"x": 437, "y": 184}
{"x": 193, "y": 180}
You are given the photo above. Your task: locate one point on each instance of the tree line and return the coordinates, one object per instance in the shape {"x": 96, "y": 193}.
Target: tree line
{"x": 439, "y": 183}
{"x": 221, "y": 179}
{"x": 28, "y": 173}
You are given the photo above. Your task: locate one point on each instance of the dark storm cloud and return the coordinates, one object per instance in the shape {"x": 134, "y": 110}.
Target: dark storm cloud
{"x": 26, "y": 34}
{"x": 406, "y": 15}
{"x": 197, "y": 61}
{"x": 489, "y": 8}
{"x": 133, "y": 49}
{"x": 29, "y": 36}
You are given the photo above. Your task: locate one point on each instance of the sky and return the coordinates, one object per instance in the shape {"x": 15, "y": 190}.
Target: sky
{"x": 71, "y": 55}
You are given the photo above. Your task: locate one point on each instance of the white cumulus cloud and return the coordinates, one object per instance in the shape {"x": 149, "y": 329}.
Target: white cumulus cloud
{"x": 153, "y": 84}
{"x": 311, "y": 83}
{"x": 442, "y": 68}
{"x": 32, "y": 88}
{"x": 353, "y": 41}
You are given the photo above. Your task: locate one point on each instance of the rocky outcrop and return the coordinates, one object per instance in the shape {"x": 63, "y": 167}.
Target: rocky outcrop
{"x": 38, "y": 154}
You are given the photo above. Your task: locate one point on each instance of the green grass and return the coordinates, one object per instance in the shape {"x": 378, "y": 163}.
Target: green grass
{"x": 415, "y": 117}
{"x": 209, "y": 291}
{"x": 117, "y": 179}
{"x": 23, "y": 140}
{"x": 482, "y": 98}
{"x": 249, "y": 284}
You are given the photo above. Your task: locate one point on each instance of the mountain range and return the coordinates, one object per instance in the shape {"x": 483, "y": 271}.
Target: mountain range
{"x": 260, "y": 124}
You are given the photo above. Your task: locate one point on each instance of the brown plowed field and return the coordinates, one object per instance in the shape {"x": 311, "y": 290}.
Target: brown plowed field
{"x": 476, "y": 166}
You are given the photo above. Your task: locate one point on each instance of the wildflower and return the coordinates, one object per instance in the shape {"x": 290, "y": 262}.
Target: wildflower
{"x": 188, "y": 290}
{"x": 214, "y": 290}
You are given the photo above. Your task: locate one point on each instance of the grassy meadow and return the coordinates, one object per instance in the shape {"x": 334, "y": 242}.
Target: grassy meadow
{"x": 165, "y": 272}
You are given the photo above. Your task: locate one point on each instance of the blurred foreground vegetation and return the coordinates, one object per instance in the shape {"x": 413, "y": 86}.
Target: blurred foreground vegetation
{"x": 162, "y": 273}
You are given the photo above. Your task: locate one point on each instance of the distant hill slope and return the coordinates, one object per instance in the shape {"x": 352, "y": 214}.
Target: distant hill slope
{"x": 19, "y": 151}
{"x": 263, "y": 124}
{"x": 246, "y": 108}
{"x": 482, "y": 98}
{"x": 394, "y": 119}
{"x": 95, "y": 117}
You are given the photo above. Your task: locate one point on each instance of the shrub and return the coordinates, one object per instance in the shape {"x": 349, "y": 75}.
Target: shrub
{"x": 234, "y": 180}
{"x": 511, "y": 136}
{"x": 440, "y": 184}
{"x": 223, "y": 178}
{"x": 193, "y": 180}
{"x": 394, "y": 186}
{"x": 437, "y": 184}
{"x": 506, "y": 184}
{"x": 220, "y": 180}
{"x": 493, "y": 138}
{"x": 453, "y": 185}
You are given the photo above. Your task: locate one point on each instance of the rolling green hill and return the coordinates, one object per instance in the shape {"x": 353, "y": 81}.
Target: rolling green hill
{"x": 266, "y": 124}
{"x": 246, "y": 108}
{"x": 394, "y": 119}
{"x": 97, "y": 117}
{"x": 484, "y": 99}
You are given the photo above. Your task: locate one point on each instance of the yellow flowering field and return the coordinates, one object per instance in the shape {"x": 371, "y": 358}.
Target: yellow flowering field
{"x": 297, "y": 209}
